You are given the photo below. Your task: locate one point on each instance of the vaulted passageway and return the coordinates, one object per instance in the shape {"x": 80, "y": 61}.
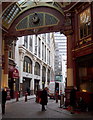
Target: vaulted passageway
{"x": 33, "y": 18}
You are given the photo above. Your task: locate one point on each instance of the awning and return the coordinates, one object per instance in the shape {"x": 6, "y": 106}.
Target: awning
{"x": 13, "y": 73}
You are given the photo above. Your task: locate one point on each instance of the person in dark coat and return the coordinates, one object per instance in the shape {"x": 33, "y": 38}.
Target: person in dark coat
{"x": 44, "y": 98}
{"x": 4, "y": 95}
{"x": 73, "y": 99}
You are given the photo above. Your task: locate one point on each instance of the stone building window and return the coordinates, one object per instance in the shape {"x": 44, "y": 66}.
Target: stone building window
{"x": 36, "y": 45}
{"x": 11, "y": 54}
{"x": 37, "y": 69}
{"x": 42, "y": 51}
{"x": 39, "y": 47}
{"x": 12, "y": 50}
{"x": 85, "y": 23}
{"x": 30, "y": 43}
{"x": 27, "y": 65}
{"x": 26, "y": 41}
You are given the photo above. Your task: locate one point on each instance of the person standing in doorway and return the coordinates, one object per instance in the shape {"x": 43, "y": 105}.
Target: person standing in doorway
{"x": 4, "y": 95}
{"x": 44, "y": 98}
{"x": 73, "y": 99}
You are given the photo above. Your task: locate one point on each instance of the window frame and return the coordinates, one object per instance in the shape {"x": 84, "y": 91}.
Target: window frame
{"x": 82, "y": 25}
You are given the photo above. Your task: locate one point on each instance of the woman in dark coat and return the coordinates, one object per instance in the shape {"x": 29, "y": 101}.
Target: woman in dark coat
{"x": 4, "y": 95}
{"x": 44, "y": 99}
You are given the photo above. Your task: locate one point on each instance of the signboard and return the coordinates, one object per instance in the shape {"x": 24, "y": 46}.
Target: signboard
{"x": 15, "y": 73}
{"x": 58, "y": 78}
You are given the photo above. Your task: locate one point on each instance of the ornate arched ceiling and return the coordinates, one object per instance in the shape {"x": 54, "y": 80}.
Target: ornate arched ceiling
{"x": 27, "y": 17}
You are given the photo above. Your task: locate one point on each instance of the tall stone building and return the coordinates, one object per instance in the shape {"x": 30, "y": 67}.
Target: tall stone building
{"x": 35, "y": 61}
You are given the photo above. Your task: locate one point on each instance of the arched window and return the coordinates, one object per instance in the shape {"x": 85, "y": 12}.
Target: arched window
{"x": 37, "y": 69}
{"x": 27, "y": 65}
{"x": 43, "y": 74}
{"x": 48, "y": 76}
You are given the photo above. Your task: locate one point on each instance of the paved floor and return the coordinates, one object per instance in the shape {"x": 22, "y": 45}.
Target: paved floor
{"x": 31, "y": 109}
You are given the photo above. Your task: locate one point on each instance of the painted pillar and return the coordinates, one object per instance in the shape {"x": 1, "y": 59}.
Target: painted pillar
{"x": 70, "y": 76}
{"x": 69, "y": 61}
{"x": 5, "y": 76}
{"x": 0, "y": 58}
{"x": 0, "y": 61}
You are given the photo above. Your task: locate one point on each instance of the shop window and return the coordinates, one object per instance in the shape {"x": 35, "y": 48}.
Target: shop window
{"x": 85, "y": 79}
{"x": 85, "y": 23}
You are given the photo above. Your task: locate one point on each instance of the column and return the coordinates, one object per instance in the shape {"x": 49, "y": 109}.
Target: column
{"x": 28, "y": 42}
{"x": 69, "y": 66}
{"x": 41, "y": 76}
{"x": 0, "y": 62}
{"x": 46, "y": 77}
{"x": 69, "y": 61}
{"x": 41, "y": 49}
{"x": 46, "y": 54}
{"x": 33, "y": 45}
{"x": 21, "y": 55}
{"x": 5, "y": 76}
{"x": 32, "y": 81}
{"x": 37, "y": 46}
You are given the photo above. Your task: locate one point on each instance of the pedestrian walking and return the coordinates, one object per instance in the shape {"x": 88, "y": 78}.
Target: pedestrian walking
{"x": 4, "y": 95}
{"x": 56, "y": 95}
{"x": 73, "y": 99}
{"x": 44, "y": 98}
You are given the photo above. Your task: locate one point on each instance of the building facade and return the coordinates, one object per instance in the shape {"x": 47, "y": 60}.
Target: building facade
{"x": 34, "y": 62}
{"x": 74, "y": 19}
{"x": 60, "y": 57}
{"x": 79, "y": 32}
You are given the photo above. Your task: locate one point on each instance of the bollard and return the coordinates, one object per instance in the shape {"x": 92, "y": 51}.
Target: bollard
{"x": 56, "y": 97}
{"x": 61, "y": 100}
{"x": 26, "y": 96}
{"x": 17, "y": 96}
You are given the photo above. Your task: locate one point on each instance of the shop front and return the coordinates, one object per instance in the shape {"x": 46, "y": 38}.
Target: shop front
{"x": 85, "y": 79}
{"x": 85, "y": 73}
{"x": 26, "y": 85}
{"x": 36, "y": 85}
{"x": 13, "y": 81}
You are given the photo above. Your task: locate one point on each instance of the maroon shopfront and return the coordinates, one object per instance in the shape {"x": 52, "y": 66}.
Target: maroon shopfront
{"x": 13, "y": 81}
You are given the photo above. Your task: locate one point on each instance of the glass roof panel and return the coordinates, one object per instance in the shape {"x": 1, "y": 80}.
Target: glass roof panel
{"x": 21, "y": 1}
